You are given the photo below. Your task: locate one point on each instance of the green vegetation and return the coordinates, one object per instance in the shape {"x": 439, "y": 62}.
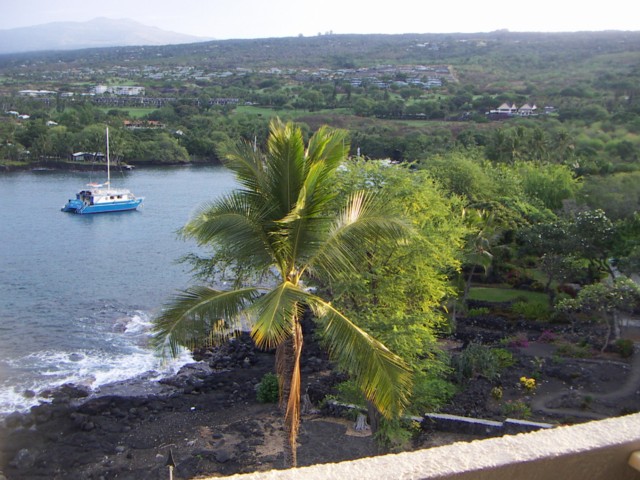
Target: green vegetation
{"x": 497, "y": 294}
{"x": 517, "y": 409}
{"x": 537, "y": 212}
{"x": 281, "y": 224}
{"x": 478, "y": 360}
{"x": 268, "y": 389}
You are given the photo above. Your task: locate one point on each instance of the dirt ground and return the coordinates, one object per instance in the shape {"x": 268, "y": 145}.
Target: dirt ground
{"x": 568, "y": 388}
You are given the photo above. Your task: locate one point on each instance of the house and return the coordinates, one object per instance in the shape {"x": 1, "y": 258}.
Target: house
{"x": 36, "y": 93}
{"x": 509, "y": 109}
{"x": 506, "y": 108}
{"x": 118, "y": 90}
{"x": 527, "y": 110}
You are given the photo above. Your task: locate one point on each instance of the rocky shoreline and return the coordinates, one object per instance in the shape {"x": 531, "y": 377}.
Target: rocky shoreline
{"x": 207, "y": 416}
{"x": 62, "y": 165}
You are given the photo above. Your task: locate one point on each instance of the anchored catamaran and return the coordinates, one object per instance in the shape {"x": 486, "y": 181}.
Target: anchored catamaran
{"x": 101, "y": 198}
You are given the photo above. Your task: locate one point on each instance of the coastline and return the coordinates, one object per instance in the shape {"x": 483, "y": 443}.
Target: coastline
{"x": 61, "y": 165}
{"x": 207, "y": 415}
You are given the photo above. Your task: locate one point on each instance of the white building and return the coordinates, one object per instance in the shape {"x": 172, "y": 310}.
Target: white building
{"x": 118, "y": 90}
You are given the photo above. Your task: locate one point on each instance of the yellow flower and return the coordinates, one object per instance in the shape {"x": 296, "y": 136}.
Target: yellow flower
{"x": 528, "y": 383}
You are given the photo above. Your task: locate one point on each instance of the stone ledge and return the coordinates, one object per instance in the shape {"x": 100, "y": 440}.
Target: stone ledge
{"x": 597, "y": 450}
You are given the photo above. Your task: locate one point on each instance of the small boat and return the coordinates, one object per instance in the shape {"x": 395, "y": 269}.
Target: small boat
{"x": 101, "y": 198}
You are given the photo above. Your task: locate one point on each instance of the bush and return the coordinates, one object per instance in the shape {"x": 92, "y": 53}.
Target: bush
{"x": 496, "y": 393}
{"x": 268, "y": 389}
{"x": 476, "y": 360}
{"x": 348, "y": 392}
{"x": 394, "y": 435}
{"x": 531, "y": 311}
{"x": 517, "y": 409}
{"x": 624, "y": 347}
{"x": 547, "y": 336}
{"x": 476, "y": 312}
{"x": 504, "y": 357}
{"x": 572, "y": 350}
{"x": 430, "y": 394}
{"x": 519, "y": 340}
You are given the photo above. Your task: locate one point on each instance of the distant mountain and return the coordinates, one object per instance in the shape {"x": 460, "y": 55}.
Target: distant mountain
{"x": 99, "y": 32}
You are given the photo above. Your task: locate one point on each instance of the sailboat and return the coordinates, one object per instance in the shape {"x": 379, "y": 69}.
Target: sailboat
{"x": 101, "y": 198}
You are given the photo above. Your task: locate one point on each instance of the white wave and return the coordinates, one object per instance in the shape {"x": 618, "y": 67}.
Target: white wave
{"x": 126, "y": 356}
{"x": 139, "y": 323}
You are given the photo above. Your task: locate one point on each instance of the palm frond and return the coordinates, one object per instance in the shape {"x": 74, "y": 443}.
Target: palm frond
{"x": 285, "y": 164}
{"x": 364, "y": 222}
{"x": 329, "y": 145}
{"x": 275, "y": 314}
{"x": 382, "y": 376}
{"x": 235, "y": 221}
{"x": 200, "y": 316}
{"x": 247, "y": 163}
{"x": 306, "y": 225}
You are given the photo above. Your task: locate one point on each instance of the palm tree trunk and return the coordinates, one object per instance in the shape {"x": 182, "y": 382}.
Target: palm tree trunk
{"x": 467, "y": 285}
{"x": 374, "y": 417}
{"x": 288, "y": 368}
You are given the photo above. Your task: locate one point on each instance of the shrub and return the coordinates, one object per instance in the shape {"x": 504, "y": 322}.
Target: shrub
{"x": 268, "y": 389}
{"x": 517, "y": 341}
{"x": 394, "y": 436}
{"x": 476, "y": 312}
{"x": 537, "y": 287}
{"x": 476, "y": 360}
{"x": 430, "y": 393}
{"x": 567, "y": 349}
{"x": 624, "y": 347}
{"x": 531, "y": 311}
{"x": 547, "y": 336}
{"x": 504, "y": 357}
{"x": 349, "y": 392}
{"x": 496, "y": 392}
{"x": 518, "y": 409}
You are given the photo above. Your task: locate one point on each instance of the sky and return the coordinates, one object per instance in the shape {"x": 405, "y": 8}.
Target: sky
{"x": 227, "y": 19}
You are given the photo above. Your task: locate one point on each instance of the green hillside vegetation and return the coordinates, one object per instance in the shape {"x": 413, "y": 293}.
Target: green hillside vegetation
{"x": 532, "y": 210}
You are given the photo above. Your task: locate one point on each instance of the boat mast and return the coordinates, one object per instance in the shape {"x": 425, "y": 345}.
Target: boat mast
{"x": 108, "y": 169}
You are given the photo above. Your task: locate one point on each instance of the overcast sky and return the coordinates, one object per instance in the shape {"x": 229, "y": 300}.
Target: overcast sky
{"x": 225, "y": 19}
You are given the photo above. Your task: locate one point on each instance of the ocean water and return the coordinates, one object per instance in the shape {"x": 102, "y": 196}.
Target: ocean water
{"x": 78, "y": 292}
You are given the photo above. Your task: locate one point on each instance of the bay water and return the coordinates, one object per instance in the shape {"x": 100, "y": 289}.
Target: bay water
{"x": 78, "y": 292}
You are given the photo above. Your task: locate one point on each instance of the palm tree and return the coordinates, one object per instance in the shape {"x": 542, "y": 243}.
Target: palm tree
{"x": 280, "y": 223}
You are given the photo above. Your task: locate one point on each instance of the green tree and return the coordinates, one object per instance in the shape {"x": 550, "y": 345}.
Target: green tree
{"x": 549, "y": 183}
{"x": 605, "y": 300}
{"x": 479, "y": 243}
{"x": 462, "y": 175}
{"x": 549, "y": 242}
{"x": 397, "y": 293}
{"x": 280, "y": 224}
{"x": 593, "y": 237}
{"x": 627, "y": 246}
{"x": 618, "y": 194}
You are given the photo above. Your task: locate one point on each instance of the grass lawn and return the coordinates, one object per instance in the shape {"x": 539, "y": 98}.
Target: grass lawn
{"x": 270, "y": 112}
{"x": 134, "y": 112}
{"x": 285, "y": 113}
{"x": 505, "y": 294}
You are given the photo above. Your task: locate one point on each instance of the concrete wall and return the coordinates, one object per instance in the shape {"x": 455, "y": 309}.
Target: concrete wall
{"x": 597, "y": 450}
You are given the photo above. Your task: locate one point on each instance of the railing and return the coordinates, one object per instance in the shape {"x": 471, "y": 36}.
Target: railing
{"x": 600, "y": 450}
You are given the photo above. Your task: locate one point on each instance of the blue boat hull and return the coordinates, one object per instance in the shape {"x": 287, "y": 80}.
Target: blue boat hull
{"x": 76, "y": 206}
